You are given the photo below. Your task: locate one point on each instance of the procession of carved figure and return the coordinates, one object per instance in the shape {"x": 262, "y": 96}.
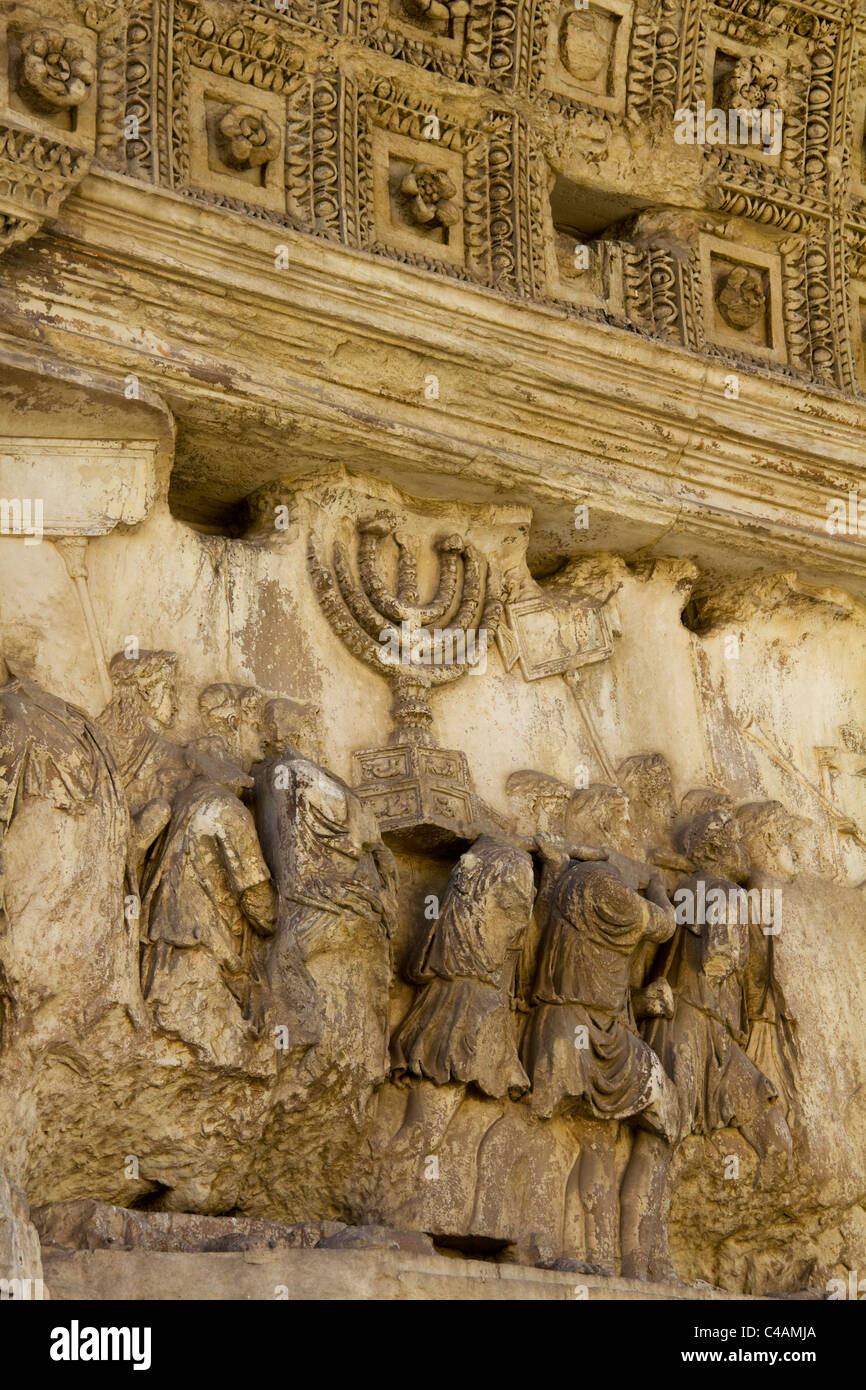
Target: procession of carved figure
{"x": 268, "y": 898}
{"x": 565, "y": 998}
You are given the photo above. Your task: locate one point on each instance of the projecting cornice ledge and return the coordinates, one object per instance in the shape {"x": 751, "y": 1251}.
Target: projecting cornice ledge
{"x": 319, "y": 353}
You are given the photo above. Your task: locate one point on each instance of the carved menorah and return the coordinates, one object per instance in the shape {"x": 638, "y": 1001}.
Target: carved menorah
{"x": 368, "y": 616}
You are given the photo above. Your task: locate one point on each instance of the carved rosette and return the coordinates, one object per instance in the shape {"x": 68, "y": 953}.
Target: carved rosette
{"x": 55, "y": 73}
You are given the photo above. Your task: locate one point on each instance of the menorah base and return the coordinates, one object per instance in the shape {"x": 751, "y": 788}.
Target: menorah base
{"x": 423, "y": 797}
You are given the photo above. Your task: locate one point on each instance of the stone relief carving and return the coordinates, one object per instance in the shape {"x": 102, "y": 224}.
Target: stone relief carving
{"x": 249, "y": 138}
{"x": 461, "y": 1028}
{"x": 64, "y": 826}
{"x": 518, "y": 994}
{"x": 581, "y": 1047}
{"x": 611, "y": 71}
{"x": 609, "y": 60}
{"x": 432, "y": 195}
{"x": 336, "y": 883}
{"x": 206, "y": 896}
{"x": 701, "y": 1042}
{"x": 741, "y": 298}
{"x": 55, "y": 73}
{"x": 753, "y": 84}
{"x": 298, "y": 911}
{"x": 411, "y": 783}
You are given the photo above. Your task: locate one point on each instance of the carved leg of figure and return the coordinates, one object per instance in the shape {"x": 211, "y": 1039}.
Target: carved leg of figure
{"x": 597, "y": 1187}
{"x": 645, "y": 1200}
{"x": 498, "y": 1157}
{"x": 429, "y": 1111}
{"x": 770, "y": 1137}
{"x": 748, "y": 1095}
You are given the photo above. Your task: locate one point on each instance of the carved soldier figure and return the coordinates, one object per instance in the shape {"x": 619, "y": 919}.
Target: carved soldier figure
{"x": 152, "y": 765}
{"x": 768, "y": 836}
{"x": 336, "y": 884}
{"x": 461, "y": 1027}
{"x": 206, "y": 893}
{"x": 67, "y": 953}
{"x": 581, "y": 1047}
{"x": 702, "y": 1043}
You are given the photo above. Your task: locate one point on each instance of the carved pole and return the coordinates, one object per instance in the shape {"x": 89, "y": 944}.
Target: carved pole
{"x": 74, "y": 552}
{"x": 572, "y": 680}
{"x": 837, "y": 819}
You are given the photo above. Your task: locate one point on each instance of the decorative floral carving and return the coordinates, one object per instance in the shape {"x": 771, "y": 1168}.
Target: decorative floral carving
{"x": 250, "y": 138}
{"x": 56, "y": 74}
{"x": 440, "y": 13}
{"x": 754, "y": 84}
{"x": 433, "y": 196}
{"x": 36, "y": 174}
{"x": 741, "y": 298}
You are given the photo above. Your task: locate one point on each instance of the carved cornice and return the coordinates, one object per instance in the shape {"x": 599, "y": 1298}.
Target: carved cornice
{"x": 533, "y": 407}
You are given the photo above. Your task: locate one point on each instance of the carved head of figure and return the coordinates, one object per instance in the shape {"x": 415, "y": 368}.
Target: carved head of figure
{"x": 768, "y": 832}
{"x": 234, "y": 714}
{"x": 599, "y": 816}
{"x": 648, "y": 783}
{"x": 713, "y": 843}
{"x": 150, "y": 677}
{"x": 541, "y": 802}
{"x": 289, "y": 724}
{"x": 699, "y": 800}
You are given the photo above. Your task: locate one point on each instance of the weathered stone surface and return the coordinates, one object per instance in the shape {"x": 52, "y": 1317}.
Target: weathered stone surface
{"x": 432, "y": 646}
{"x": 88, "y": 1225}
{"x": 329, "y": 1274}
{"x": 20, "y": 1254}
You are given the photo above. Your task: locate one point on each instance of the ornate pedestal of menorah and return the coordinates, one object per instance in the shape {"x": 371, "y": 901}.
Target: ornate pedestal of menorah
{"x": 422, "y": 794}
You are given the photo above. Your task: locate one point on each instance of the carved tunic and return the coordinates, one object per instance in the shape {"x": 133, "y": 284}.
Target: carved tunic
{"x": 461, "y": 1027}
{"x": 318, "y": 838}
{"x": 50, "y": 749}
{"x": 336, "y": 906}
{"x": 63, "y": 831}
{"x": 208, "y": 857}
{"x": 581, "y": 1044}
{"x": 149, "y": 762}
